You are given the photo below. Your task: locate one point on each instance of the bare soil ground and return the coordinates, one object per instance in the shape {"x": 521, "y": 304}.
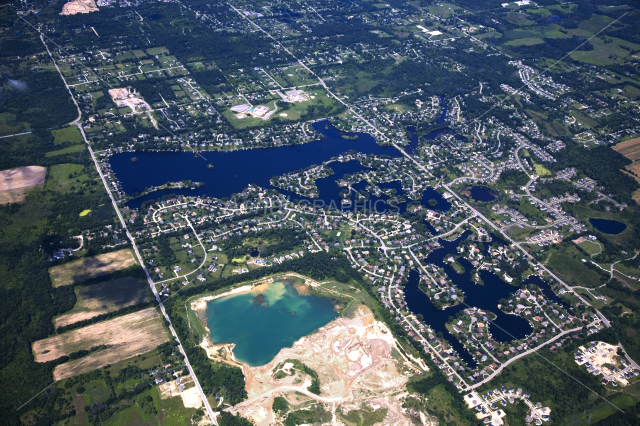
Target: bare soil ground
{"x": 15, "y": 183}
{"x": 85, "y": 269}
{"x": 126, "y": 336}
{"x": 189, "y": 394}
{"x": 355, "y": 365}
{"x": 630, "y": 149}
{"x": 105, "y": 297}
{"x": 79, "y": 6}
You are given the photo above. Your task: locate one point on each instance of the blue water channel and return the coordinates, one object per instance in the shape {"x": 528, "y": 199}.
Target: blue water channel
{"x": 504, "y": 328}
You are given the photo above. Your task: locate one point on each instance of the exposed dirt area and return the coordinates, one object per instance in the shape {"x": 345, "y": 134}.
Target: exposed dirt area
{"x": 91, "y": 267}
{"x": 15, "y": 183}
{"x": 125, "y": 337}
{"x": 105, "y": 297}
{"x": 185, "y": 388}
{"x": 79, "y": 6}
{"x": 630, "y": 149}
{"x": 354, "y": 362}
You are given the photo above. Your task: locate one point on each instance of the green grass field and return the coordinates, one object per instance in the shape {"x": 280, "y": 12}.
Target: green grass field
{"x": 157, "y": 50}
{"x": 602, "y": 410}
{"x": 67, "y": 150}
{"x": 573, "y": 270}
{"x": 591, "y": 247}
{"x": 62, "y": 177}
{"x": 67, "y": 135}
{"x": 527, "y": 41}
{"x": 88, "y": 268}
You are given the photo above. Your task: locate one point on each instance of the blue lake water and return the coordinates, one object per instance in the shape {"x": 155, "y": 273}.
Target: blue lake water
{"x": 266, "y": 319}
{"x": 504, "y": 328}
{"x": 234, "y": 171}
{"x": 607, "y": 226}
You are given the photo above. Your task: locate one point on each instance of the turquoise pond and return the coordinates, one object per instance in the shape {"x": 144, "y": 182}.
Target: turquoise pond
{"x": 266, "y": 319}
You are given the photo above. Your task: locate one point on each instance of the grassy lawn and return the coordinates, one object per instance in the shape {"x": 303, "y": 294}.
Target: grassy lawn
{"x": 9, "y": 125}
{"x": 519, "y": 233}
{"x": 591, "y": 247}
{"x": 541, "y": 170}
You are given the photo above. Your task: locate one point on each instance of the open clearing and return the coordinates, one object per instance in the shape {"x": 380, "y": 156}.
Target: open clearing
{"x": 630, "y": 149}
{"x": 59, "y": 180}
{"x": 15, "y": 183}
{"x": 67, "y": 135}
{"x": 79, "y": 6}
{"x": 85, "y": 269}
{"x": 105, "y": 297}
{"x": 357, "y": 363}
{"x": 125, "y": 337}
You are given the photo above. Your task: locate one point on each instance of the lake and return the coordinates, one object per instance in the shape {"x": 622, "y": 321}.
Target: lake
{"x": 607, "y": 226}
{"x": 233, "y": 171}
{"x": 266, "y": 319}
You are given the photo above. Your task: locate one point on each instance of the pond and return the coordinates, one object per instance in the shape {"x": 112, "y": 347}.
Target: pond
{"x": 607, "y": 226}
{"x": 266, "y": 319}
{"x": 482, "y": 193}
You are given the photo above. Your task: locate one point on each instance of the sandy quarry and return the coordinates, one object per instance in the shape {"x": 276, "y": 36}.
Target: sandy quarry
{"x": 79, "y": 6}
{"x": 355, "y": 365}
{"x": 15, "y": 183}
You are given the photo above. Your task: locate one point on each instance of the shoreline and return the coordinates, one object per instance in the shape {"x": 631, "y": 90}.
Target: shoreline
{"x": 200, "y": 304}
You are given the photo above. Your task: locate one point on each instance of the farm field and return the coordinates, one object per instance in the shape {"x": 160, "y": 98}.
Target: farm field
{"x": 105, "y": 297}
{"x": 630, "y": 149}
{"x": 91, "y": 267}
{"x": 14, "y": 183}
{"x": 124, "y": 336}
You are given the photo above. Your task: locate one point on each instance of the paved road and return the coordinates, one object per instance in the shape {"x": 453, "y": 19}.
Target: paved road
{"x": 77, "y": 122}
{"x": 517, "y": 357}
{"x": 15, "y": 134}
